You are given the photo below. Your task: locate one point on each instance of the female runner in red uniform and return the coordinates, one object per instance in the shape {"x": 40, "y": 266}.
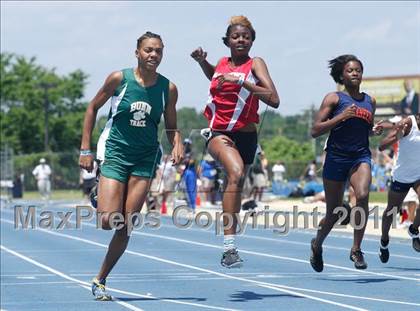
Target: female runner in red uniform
{"x": 237, "y": 84}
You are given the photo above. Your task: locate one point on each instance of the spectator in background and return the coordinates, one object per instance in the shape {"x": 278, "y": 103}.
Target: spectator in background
{"x": 278, "y": 172}
{"x": 17, "y": 190}
{"x": 389, "y": 163}
{"x": 310, "y": 171}
{"x": 88, "y": 180}
{"x": 259, "y": 175}
{"x": 207, "y": 173}
{"x": 379, "y": 178}
{"x": 187, "y": 150}
{"x": 168, "y": 172}
{"x": 42, "y": 173}
{"x": 152, "y": 198}
{"x": 410, "y": 103}
{"x": 190, "y": 178}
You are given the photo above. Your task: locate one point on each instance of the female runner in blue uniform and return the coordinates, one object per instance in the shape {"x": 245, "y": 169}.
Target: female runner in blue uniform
{"x": 348, "y": 116}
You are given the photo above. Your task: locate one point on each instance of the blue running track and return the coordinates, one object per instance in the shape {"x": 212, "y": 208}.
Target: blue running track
{"x": 179, "y": 269}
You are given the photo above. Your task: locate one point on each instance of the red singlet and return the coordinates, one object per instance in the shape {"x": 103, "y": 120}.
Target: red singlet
{"x": 231, "y": 107}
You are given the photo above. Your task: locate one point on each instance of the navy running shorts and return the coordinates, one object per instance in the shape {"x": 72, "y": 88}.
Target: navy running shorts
{"x": 337, "y": 166}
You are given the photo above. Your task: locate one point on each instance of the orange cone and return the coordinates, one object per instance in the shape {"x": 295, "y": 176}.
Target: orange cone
{"x": 163, "y": 209}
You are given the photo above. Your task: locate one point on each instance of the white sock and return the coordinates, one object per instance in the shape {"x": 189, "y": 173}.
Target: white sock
{"x": 229, "y": 242}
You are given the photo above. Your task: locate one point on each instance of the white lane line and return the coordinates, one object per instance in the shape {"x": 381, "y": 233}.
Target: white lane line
{"x": 271, "y": 256}
{"x": 199, "y": 274}
{"x": 274, "y": 256}
{"x": 261, "y": 254}
{"x": 35, "y": 283}
{"x": 352, "y": 296}
{"x": 119, "y": 301}
{"x": 87, "y": 285}
{"x": 348, "y": 236}
{"x": 312, "y": 231}
{"x": 275, "y": 287}
{"x": 288, "y": 258}
{"x": 23, "y": 274}
{"x": 277, "y": 240}
{"x": 325, "y": 246}
{"x": 177, "y": 279}
{"x": 293, "y": 242}
{"x": 52, "y": 270}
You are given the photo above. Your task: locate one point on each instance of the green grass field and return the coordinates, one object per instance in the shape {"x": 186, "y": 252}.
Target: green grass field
{"x": 55, "y": 195}
{"x": 376, "y": 197}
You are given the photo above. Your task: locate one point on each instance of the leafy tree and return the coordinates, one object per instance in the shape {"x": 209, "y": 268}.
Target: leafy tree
{"x": 282, "y": 148}
{"x": 190, "y": 122}
{"x": 295, "y": 155}
{"x": 33, "y": 98}
{"x": 31, "y": 93}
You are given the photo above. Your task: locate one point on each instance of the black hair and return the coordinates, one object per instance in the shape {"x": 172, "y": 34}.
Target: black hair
{"x": 148, "y": 35}
{"x": 337, "y": 66}
{"x": 242, "y": 21}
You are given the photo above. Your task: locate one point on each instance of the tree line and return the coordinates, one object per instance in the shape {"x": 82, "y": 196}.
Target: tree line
{"x": 43, "y": 111}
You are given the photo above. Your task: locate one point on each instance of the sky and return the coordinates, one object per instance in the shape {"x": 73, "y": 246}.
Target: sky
{"x": 295, "y": 39}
